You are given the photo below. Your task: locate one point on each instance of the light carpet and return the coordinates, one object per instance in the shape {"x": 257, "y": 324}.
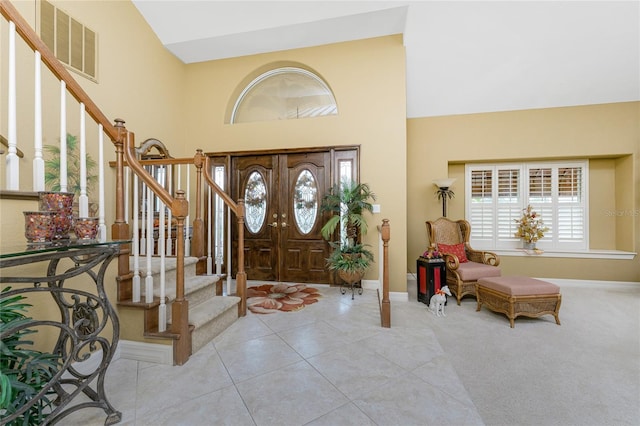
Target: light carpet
{"x": 585, "y": 371}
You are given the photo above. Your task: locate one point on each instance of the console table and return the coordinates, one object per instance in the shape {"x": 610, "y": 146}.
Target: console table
{"x": 71, "y": 275}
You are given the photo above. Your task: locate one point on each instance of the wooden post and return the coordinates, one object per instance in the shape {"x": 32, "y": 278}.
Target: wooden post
{"x": 241, "y": 275}
{"x": 120, "y": 228}
{"x": 386, "y": 304}
{"x": 180, "y": 307}
{"x": 197, "y": 243}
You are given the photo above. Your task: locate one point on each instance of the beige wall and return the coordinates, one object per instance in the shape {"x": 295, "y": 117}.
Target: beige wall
{"x": 608, "y": 135}
{"x": 368, "y": 80}
{"x": 185, "y": 105}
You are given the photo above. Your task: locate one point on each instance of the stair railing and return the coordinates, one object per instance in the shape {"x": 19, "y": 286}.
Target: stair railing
{"x": 238, "y": 209}
{"x": 123, "y": 141}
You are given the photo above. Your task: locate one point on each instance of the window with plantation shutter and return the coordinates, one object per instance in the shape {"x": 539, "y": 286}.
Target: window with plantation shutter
{"x": 497, "y": 194}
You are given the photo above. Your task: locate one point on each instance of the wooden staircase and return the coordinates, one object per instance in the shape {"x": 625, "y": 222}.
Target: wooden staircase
{"x": 210, "y": 312}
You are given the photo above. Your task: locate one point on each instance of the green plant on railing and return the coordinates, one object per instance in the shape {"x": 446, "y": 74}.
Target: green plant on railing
{"x": 23, "y": 372}
{"x": 52, "y": 167}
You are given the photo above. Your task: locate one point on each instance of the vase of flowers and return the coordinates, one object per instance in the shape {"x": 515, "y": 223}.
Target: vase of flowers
{"x": 530, "y": 228}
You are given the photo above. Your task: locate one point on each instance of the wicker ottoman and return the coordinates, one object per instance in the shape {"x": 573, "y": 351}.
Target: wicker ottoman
{"x": 519, "y": 296}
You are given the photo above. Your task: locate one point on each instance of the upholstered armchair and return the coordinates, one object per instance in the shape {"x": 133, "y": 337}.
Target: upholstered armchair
{"x": 464, "y": 264}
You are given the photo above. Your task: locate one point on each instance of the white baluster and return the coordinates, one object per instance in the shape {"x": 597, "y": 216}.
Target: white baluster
{"x": 169, "y": 248}
{"x": 38, "y": 160}
{"x": 143, "y": 239}
{"x": 83, "y": 200}
{"x": 127, "y": 178}
{"x": 102, "y": 232}
{"x": 149, "y": 278}
{"x": 63, "y": 136}
{"x": 187, "y": 237}
{"x": 12, "y": 160}
{"x": 136, "y": 243}
{"x": 229, "y": 259}
{"x": 162, "y": 309}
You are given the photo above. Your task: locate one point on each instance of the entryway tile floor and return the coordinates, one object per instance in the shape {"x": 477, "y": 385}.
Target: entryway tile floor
{"x": 330, "y": 363}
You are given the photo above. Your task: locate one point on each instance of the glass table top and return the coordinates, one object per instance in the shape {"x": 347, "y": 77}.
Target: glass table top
{"x": 15, "y": 250}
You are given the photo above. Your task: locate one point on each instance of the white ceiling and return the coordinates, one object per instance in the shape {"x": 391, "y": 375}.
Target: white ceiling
{"x": 462, "y": 57}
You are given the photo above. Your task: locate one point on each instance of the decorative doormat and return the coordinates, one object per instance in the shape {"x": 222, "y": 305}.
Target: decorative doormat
{"x": 270, "y": 298}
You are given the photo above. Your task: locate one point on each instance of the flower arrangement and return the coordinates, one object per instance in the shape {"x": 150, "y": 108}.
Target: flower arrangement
{"x": 530, "y": 226}
{"x": 432, "y": 253}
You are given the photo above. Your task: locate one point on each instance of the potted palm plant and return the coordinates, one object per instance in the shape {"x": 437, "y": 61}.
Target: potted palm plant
{"x": 348, "y": 201}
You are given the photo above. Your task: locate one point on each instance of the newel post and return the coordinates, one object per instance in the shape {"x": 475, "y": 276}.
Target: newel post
{"x": 241, "y": 275}
{"x": 180, "y": 307}
{"x": 120, "y": 227}
{"x": 197, "y": 241}
{"x": 386, "y": 304}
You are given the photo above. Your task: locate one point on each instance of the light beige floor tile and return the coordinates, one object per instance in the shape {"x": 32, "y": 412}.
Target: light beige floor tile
{"x": 417, "y": 346}
{"x": 244, "y": 329}
{"x": 410, "y": 401}
{"x": 221, "y": 408}
{"x": 354, "y": 370}
{"x": 292, "y": 395}
{"x": 314, "y": 339}
{"x": 257, "y": 356}
{"x": 347, "y": 415}
{"x": 163, "y": 386}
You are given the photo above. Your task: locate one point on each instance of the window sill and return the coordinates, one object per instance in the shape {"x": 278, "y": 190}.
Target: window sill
{"x": 578, "y": 254}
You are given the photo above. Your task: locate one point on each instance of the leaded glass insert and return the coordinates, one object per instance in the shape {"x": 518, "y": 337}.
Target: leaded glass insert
{"x": 255, "y": 199}
{"x": 305, "y": 201}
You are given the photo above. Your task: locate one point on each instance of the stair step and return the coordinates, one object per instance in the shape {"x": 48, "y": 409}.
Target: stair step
{"x": 169, "y": 267}
{"x": 211, "y": 318}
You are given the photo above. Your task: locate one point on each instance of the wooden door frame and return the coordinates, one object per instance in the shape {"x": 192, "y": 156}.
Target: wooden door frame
{"x": 225, "y": 159}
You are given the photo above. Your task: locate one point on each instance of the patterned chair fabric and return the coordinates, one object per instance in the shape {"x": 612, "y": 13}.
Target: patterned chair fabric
{"x": 462, "y": 277}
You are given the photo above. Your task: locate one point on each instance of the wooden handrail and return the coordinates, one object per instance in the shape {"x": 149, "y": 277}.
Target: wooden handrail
{"x": 238, "y": 210}
{"x": 31, "y": 38}
{"x": 137, "y": 168}
{"x": 225, "y": 197}
{"x": 5, "y": 143}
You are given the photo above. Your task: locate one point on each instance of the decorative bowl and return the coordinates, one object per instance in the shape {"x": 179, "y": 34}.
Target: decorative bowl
{"x": 86, "y": 228}
{"x": 56, "y": 201}
{"x": 39, "y": 227}
{"x": 63, "y": 223}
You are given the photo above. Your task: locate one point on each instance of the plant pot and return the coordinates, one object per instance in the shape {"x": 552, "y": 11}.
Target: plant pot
{"x": 351, "y": 277}
{"x": 528, "y": 246}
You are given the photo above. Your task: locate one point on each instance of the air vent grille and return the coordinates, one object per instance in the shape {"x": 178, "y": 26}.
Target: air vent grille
{"x": 72, "y": 43}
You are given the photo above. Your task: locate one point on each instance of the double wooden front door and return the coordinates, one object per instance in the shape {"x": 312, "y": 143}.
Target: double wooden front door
{"x": 283, "y": 193}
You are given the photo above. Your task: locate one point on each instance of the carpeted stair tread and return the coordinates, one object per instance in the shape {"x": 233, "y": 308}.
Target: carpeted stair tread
{"x": 170, "y": 264}
{"x": 191, "y": 286}
{"x": 211, "y": 309}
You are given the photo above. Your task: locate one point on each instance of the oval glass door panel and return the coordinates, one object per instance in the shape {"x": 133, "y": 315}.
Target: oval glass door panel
{"x": 305, "y": 201}
{"x": 255, "y": 200}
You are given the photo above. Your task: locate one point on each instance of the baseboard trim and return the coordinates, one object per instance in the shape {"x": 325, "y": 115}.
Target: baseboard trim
{"x": 147, "y": 352}
{"x": 371, "y": 285}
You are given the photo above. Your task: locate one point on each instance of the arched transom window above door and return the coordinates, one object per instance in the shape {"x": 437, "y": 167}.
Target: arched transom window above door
{"x": 283, "y": 94}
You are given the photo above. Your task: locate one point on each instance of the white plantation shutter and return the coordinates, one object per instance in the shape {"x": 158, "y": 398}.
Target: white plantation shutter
{"x": 571, "y": 207}
{"x": 509, "y": 203}
{"x": 481, "y": 213}
{"x": 498, "y": 193}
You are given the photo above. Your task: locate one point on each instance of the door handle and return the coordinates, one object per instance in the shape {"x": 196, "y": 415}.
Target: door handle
{"x": 274, "y": 224}
{"x": 284, "y": 224}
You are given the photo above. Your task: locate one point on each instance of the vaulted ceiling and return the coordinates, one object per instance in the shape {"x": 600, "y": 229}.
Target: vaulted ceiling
{"x": 462, "y": 56}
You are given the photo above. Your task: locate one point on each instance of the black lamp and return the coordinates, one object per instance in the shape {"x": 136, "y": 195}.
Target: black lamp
{"x": 444, "y": 192}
